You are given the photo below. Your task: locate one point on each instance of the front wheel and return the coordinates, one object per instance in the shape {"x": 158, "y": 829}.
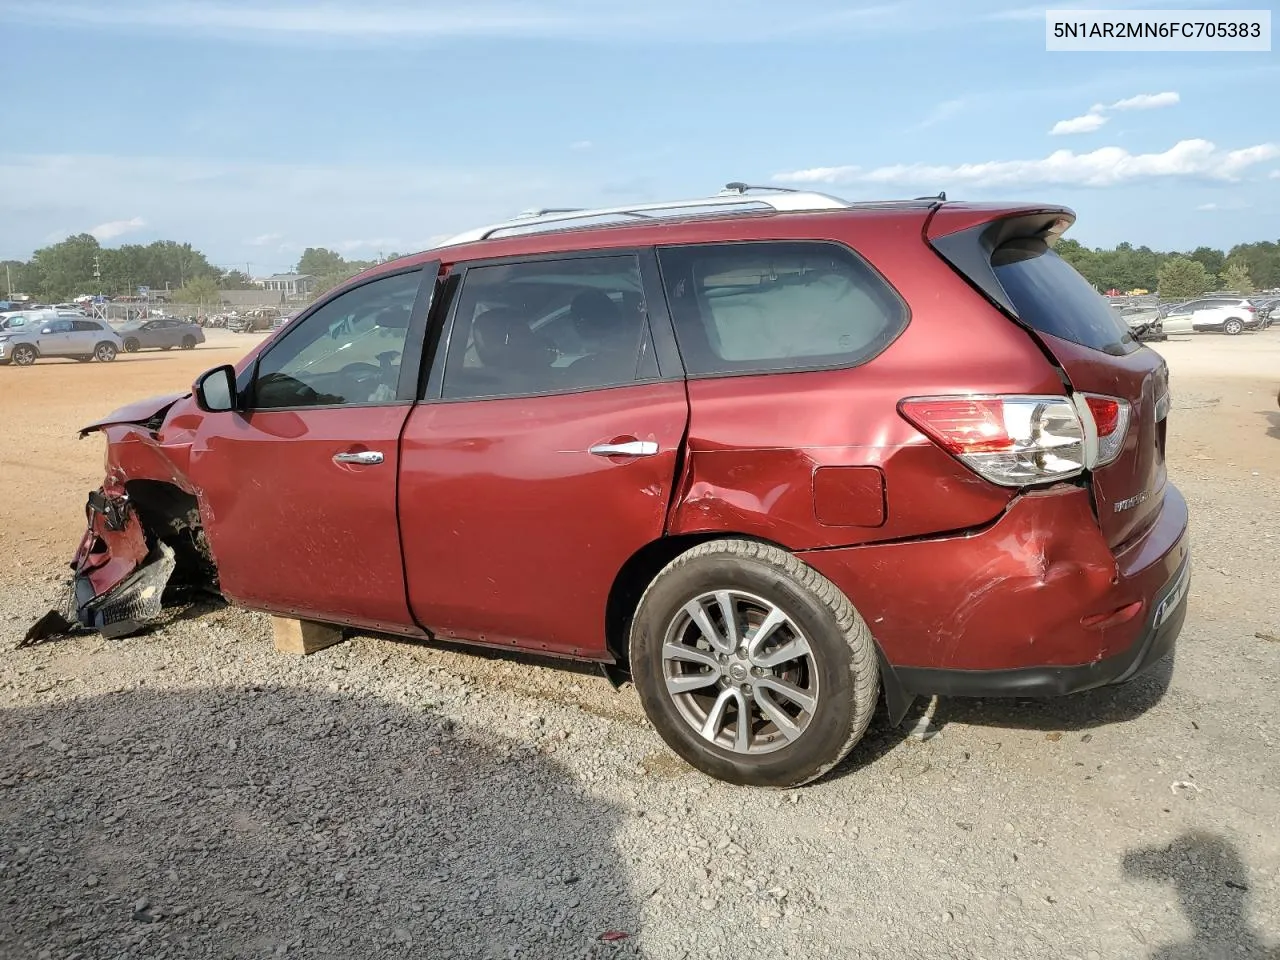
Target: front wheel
{"x": 24, "y": 355}
{"x": 105, "y": 352}
{"x": 1233, "y": 327}
{"x": 751, "y": 665}
{"x": 132, "y": 345}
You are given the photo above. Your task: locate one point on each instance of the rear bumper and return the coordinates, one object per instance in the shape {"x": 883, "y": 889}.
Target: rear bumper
{"x": 1036, "y": 604}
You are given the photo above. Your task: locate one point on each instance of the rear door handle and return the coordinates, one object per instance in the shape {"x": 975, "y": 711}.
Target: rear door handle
{"x": 365, "y": 457}
{"x": 631, "y": 448}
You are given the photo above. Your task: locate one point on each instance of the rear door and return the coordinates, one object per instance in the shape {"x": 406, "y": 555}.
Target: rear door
{"x": 1098, "y": 354}
{"x": 543, "y": 456}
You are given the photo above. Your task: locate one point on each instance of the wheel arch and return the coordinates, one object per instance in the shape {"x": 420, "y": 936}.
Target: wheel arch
{"x": 639, "y": 571}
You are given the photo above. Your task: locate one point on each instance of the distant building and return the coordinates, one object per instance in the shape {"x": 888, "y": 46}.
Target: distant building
{"x": 291, "y": 284}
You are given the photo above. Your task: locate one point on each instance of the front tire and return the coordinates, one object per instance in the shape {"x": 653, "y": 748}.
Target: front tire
{"x": 24, "y": 355}
{"x": 751, "y": 665}
{"x": 105, "y": 352}
{"x": 132, "y": 346}
{"x": 1233, "y": 327}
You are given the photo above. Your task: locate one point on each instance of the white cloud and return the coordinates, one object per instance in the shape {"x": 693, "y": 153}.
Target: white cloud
{"x": 1097, "y": 115}
{"x": 1086, "y": 123}
{"x": 1147, "y": 101}
{"x": 581, "y": 145}
{"x": 263, "y": 239}
{"x": 1207, "y": 206}
{"x": 1104, "y": 167}
{"x": 1274, "y": 175}
{"x": 942, "y": 112}
{"x": 114, "y": 228}
{"x": 669, "y": 21}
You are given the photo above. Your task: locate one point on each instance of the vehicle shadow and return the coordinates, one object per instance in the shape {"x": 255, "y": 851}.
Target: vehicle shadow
{"x": 1273, "y": 419}
{"x": 242, "y": 822}
{"x": 1079, "y": 711}
{"x": 1211, "y": 883}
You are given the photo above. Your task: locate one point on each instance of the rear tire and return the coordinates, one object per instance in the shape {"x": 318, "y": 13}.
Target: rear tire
{"x": 105, "y": 352}
{"x": 1233, "y": 327}
{"x": 24, "y": 355}
{"x": 188, "y": 343}
{"x": 807, "y": 687}
{"x": 132, "y": 346}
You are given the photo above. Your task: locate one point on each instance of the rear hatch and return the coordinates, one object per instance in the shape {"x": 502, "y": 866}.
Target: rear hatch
{"x": 1008, "y": 255}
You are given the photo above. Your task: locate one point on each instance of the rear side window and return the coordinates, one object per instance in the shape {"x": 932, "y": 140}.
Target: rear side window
{"x": 86, "y": 325}
{"x": 761, "y": 306}
{"x": 1050, "y": 296}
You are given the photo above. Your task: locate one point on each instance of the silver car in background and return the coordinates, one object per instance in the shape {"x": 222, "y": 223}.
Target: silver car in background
{"x": 80, "y": 339}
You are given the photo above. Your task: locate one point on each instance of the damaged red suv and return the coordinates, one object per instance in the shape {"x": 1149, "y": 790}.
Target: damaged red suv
{"x": 766, "y": 453}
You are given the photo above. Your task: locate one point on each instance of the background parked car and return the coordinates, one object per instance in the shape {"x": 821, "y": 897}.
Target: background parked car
{"x": 163, "y": 333}
{"x": 1230, "y": 315}
{"x": 81, "y": 339}
{"x": 1143, "y": 322}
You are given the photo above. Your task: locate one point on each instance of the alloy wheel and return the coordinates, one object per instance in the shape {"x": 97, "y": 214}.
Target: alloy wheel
{"x": 740, "y": 672}
{"x": 24, "y": 355}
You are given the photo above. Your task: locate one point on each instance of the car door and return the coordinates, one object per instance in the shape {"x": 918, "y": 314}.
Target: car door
{"x": 298, "y": 485}
{"x": 1179, "y": 319}
{"x": 543, "y": 456}
{"x": 55, "y": 338}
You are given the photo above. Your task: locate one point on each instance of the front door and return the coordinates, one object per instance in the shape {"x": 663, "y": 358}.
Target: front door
{"x": 544, "y": 456}
{"x": 298, "y": 489}
{"x": 55, "y": 339}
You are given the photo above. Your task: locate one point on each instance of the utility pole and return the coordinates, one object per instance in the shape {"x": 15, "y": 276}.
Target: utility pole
{"x": 9, "y": 280}
{"x": 97, "y": 272}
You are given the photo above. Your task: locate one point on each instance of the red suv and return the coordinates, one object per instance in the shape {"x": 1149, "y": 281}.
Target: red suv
{"x": 766, "y": 453}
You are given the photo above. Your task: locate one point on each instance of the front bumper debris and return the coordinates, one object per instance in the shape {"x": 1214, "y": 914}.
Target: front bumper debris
{"x": 119, "y": 580}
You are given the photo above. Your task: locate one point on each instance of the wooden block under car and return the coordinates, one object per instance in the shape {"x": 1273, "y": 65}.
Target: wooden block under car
{"x": 301, "y": 637}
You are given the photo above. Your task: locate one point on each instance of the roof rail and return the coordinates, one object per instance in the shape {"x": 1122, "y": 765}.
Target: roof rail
{"x": 733, "y": 199}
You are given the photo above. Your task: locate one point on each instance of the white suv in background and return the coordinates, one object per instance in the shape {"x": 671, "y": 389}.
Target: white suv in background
{"x": 80, "y": 339}
{"x": 1231, "y": 315}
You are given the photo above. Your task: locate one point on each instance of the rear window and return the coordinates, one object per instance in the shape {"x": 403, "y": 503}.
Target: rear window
{"x": 1050, "y": 296}
{"x": 772, "y": 306}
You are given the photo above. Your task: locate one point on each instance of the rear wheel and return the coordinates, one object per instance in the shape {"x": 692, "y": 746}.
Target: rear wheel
{"x": 24, "y": 355}
{"x": 105, "y": 352}
{"x": 188, "y": 342}
{"x": 1233, "y": 327}
{"x": 132, "y": 345}
{"x": 751, "y": 665}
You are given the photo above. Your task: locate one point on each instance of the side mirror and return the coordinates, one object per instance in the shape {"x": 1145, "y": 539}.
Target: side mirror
{"x": 215, "y": 390}
{"x": 46, "y": 329}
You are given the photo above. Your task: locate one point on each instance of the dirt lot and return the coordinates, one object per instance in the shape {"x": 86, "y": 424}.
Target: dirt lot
{"x": 192, "y": 793}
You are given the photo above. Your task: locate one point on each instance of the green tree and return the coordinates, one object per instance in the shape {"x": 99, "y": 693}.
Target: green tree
{"x": 1235, "y": 277}
{"x": 1182, "y": 278}
{"x": 319, "y": 262}
{"x": 1263, "y": 261}
{"x": 235, "y": 280}
{"x": 66, "y": 269}
{"x": 1211, "y": 259}
{"x": 201, "y": 293}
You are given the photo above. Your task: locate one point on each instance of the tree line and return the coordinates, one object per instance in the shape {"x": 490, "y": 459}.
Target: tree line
{"x": 80, "y": 265}
{"x": 1244, "y": 268}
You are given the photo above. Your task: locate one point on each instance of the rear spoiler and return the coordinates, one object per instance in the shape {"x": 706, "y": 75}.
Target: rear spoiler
{"x": 966, "y": 236}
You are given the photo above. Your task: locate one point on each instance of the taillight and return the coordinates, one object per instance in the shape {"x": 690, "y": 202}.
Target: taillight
{"x": 1111, "y": 421}
{"x": 1018, "y": 441}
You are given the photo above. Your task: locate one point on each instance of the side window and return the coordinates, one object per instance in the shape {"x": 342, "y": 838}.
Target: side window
{"x": 347, "y": 351}
{"x": 546, "y": 327}
{"x": 61, "y": 326}
{"x": 757, "y": 306}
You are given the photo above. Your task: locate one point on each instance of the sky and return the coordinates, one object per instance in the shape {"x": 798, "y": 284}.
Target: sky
{"x": 256, "y": 128}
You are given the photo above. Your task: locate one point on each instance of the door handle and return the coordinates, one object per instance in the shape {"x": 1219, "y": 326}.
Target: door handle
{"x": 631, "y": 448}
{"x": 364, "y": 457}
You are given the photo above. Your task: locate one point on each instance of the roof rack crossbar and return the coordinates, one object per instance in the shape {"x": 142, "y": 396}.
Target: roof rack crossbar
{"x": 736, "y": 197}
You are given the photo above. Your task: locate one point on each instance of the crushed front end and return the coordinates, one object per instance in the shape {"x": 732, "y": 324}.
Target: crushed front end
{"x": 144, "y": 546}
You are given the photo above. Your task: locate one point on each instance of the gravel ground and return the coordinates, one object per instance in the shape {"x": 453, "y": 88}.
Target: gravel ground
{"x": 192, "y": 793}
